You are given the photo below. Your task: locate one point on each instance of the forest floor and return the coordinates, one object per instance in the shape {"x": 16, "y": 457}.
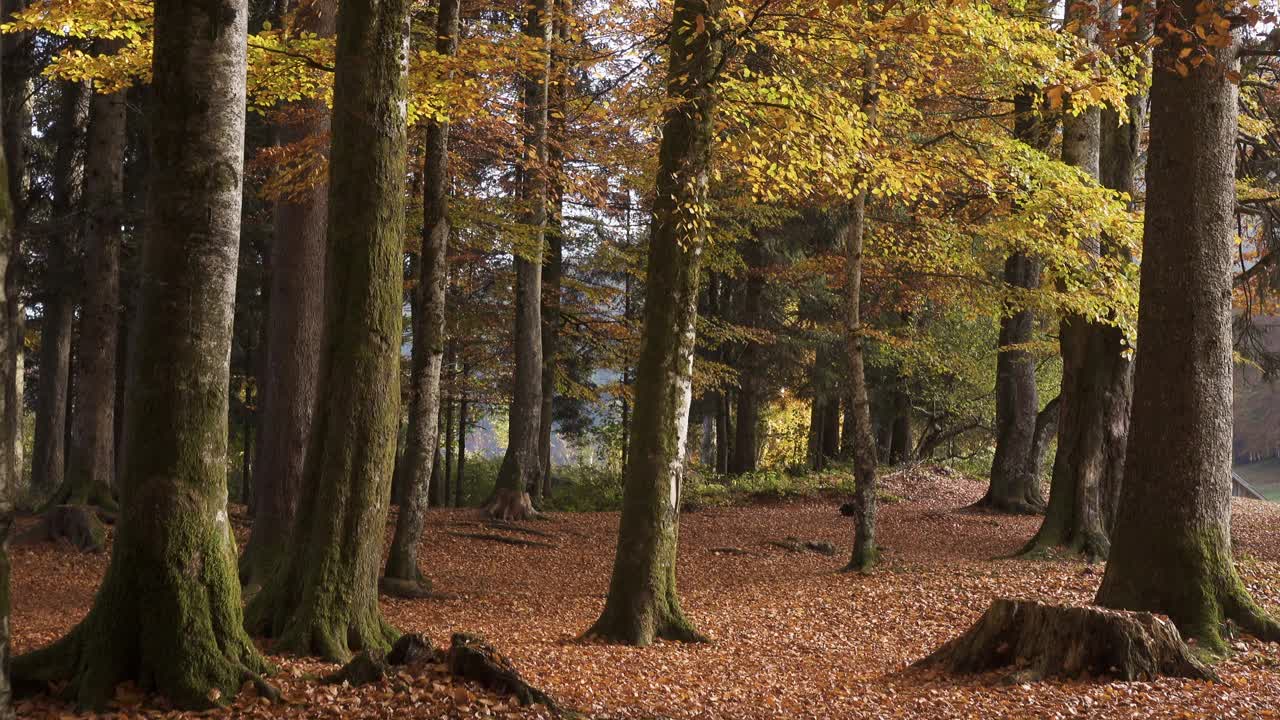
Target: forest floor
{"x": 791, "y": 636}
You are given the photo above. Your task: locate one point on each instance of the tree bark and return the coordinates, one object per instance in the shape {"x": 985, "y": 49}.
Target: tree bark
{"x": 643, "y": 603}
{"x": 48, "y": 459}
{"x": 17, "y": 93}
{"x": 429, "y": 334}
{"x": 462, "y": 435}
{"x": 746, "y": 443}
{"x": 902, "y": 438}
{"x": 1094, "y": 403}
{"x": 8, "y": 484}
{"x": 1172, "y": 545}
{"x": 92, "y": 458}
{"x": 323, "y": 598}
{"x": 295, "y": 322}
{"x": 1015, "y": 484}
{"x": 865, "y": 551}
{"x": 167, "y": 615}
{"x": 1015, "y": 477}
{"x": 521, "y": 464}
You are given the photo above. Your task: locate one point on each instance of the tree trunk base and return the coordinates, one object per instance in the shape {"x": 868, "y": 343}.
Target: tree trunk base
{"x": 83, "y": 493}
{"x": 508, "y": 505}
{"x": 1006, "y": 506}
{"x": 77, "y": 525}
{"x": 1051, "y": 641}
{"x": 416, "y": 589}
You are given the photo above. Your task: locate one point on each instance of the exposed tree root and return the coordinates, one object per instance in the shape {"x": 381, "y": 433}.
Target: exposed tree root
{"x": 81, "y": 493}
{"x": 1041, "y": 641}
{"x": 512, "y": 527}
{"x": 471, "y": 658}
{"x": 796, "y": 545}
{"x": 509, "y": 506}
{"x": 78, "y": 525}
{"x": 1006, "y": 506}
{"x": 411, "y": 589}
{"x": 372, "y": 666}
{"x": 504, "y": 539}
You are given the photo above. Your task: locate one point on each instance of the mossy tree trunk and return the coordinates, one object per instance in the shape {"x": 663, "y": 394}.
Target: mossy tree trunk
{"x": 1171, "y": 550}
{"x": 295, "y": 322}
{"x": 643, "y": 603}
{"x": 57, "y": 295}
{"x": 323, "y": 599}
{"x": 865, "y": 551}
{"x": 522, "y": 463}
{"x": 429, "y": 334}
{"x": 1093, "y": 422}
{"x": 91, "y": 461}
{"x": 167, "y": 615}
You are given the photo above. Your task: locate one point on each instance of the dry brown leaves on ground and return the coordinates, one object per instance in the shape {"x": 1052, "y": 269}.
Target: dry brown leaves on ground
{"x": 791, "y": 636}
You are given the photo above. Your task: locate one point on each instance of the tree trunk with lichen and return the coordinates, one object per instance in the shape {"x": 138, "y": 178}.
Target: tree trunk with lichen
{"x": 167, "y": 614}
{"x": 522, "y": 462}
{"x": 294, "y": 324}
{"x": 643, "y": 603}
{"x": 1171, "y": 551}
{"x": 865, "y": 552}
{"x": 92, "y": 457}
{"x": 421, "y": 447}
{"x": 323, "y": 599}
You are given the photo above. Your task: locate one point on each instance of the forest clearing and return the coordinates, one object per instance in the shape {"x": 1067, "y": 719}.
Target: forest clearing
{"x": 791, "y": 636}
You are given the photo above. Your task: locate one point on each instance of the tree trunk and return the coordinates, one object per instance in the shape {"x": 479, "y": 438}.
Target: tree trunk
{"x": 521, "y": 464}
{"x": 643, "y": 603}
{"x": 429, "y": 334}
{"x": 462, "y": 436}
{"x": 49, "y": 453}
{"x": 295, "y": 321}
{"x": 323, "y": 598}
{"x": 902, "y": 438}
{"x": 8, "y": 484}
{"x": 1094, "y": 403}
{"x": 1172, "y": 546}
{"x": 167, "y": 615}
{"x": 18, "y": 91}
{"x": 551, "y": 272}
{"x": 865, "y": 551}
{"x": 1015, "y": 485}
{"x": 91, "y": 463}
{"x": 746, "y": 441}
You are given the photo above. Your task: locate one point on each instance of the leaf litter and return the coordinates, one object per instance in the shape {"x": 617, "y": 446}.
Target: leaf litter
{"x": 792, "y": 637}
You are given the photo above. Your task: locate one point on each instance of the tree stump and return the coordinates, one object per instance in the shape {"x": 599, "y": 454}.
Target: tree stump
{"x": 1041, "y": 641}
{"x": 76, "y": 524}
{"x": 369, "y": 667}
{"x": 471, "y": 658}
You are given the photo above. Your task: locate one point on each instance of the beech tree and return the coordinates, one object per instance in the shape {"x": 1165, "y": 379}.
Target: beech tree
{"x": 58, "y": 297}
{"x": 428, "y": 341}
{"x": 1093, "y": 423}
{"x": 8, "y": 488}
{"x": 323, "y": 597}
{"x": 522, "y": 463}
{"x": 853, "y": 234}
{"x": 92, "y": 458}
{"x": 643, "y": 603}
{"x": 1171, "y": 550}
{"x": 167, "y": 614}
{"x": 295, "y": 320}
